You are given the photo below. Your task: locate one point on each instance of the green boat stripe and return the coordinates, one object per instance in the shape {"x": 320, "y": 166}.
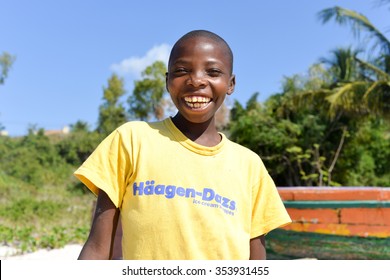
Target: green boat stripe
{"x": 336, "y": 204}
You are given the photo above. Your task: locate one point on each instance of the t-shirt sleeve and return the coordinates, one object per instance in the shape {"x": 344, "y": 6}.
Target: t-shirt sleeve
{"x": 268, "y": 211}
{"x": 107, "y": 168}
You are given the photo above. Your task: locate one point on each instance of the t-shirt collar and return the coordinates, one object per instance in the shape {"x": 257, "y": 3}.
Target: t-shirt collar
{"x": 191, "y": 145}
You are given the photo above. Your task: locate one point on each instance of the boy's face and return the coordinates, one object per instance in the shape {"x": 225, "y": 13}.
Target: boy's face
{"x": 199, "y": 77}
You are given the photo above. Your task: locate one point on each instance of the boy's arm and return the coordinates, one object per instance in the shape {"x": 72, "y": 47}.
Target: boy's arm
{"x": 257, "y": 248}
{"x": 100, "y": 241}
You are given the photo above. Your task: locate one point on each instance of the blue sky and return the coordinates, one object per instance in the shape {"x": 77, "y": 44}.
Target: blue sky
{"x": 66, "y": 50}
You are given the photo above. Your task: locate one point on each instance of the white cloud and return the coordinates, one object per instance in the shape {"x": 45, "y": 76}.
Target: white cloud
{"x": 135, "y": 65}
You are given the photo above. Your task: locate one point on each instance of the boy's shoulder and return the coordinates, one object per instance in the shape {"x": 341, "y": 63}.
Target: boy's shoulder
{"x": 138, "y": 126}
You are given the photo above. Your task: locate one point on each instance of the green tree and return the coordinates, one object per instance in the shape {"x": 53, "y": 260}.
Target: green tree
{"x": 344, "y": 72}
{"x": 149, "y": 99}
{"x": 295, "y": 137}
{"x": 79, "y": 144}
{"x": 80, "y": 126}
{"x": 112, "y": 112}
{"x": 373, "y": 89}
{"x": 323, "y": 137}
{"x": 33, "y": 159}
{"x": 6, "y": 61}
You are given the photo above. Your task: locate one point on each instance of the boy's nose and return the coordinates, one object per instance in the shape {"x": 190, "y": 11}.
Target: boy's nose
{"x": 197, "y": 79}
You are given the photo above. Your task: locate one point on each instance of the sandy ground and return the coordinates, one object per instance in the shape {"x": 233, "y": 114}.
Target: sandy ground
{"x": 69, "y": 252}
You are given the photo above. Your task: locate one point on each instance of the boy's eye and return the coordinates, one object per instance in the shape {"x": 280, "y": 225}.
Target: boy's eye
{"x": 214, "y": 72}
{"x": 180, "y": 71}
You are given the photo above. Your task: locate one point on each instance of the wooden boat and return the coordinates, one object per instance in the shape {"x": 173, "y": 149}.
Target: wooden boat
{"x": 334, "y": 223}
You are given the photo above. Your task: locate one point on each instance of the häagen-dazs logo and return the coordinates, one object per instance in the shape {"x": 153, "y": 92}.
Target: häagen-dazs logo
{"x": 206, "y": 197}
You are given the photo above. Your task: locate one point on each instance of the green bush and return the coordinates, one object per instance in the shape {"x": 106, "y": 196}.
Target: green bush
{"x": 47, "y": 216}
{"x": 27, "y": 209}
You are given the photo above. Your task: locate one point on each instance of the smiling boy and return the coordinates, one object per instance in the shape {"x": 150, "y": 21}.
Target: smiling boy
{"x": 181, "y": 189}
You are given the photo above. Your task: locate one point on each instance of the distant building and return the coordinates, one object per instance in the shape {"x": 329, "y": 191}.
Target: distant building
{"x": 4, "y": 133}
{"x": 64, "y": 131}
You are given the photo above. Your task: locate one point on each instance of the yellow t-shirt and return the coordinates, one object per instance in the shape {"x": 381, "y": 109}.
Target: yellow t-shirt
{"x": 181, "y": 200}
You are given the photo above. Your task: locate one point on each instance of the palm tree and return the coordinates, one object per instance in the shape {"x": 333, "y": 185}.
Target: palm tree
{"x": 372, "y": 90}
{"x": 342, "y": 64}
{"x": 347, "y": 84}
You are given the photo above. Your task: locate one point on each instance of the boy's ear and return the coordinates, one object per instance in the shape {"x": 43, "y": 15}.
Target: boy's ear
{"x": 232, "y": 84}
{"x": 166, "y": 81}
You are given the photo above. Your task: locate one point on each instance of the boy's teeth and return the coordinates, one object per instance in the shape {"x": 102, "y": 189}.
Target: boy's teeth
{"x": 197, "y": 101}
{"x": 194, "y": 99}
{"x": 196, "y": 105}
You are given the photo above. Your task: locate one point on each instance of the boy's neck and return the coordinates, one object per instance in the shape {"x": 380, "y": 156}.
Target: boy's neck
{"x": 204, "y": 134}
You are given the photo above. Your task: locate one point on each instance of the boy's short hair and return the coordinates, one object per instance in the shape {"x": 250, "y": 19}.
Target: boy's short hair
{"x": 206, "y": 34}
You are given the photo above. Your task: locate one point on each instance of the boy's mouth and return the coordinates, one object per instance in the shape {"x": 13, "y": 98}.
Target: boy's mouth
{"x": 197, "y": 102}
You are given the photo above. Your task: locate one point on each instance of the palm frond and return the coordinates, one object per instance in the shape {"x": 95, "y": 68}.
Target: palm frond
{"x": 377, "y": 98}
{"x": 382, "y": 75}
{"x": 348, "y": 98}
{"x": 358, "y": 22}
